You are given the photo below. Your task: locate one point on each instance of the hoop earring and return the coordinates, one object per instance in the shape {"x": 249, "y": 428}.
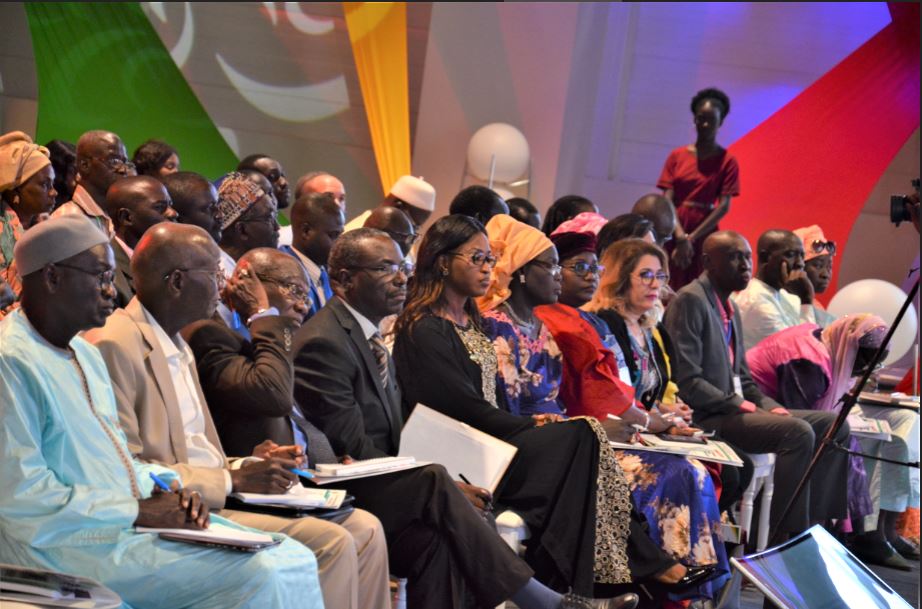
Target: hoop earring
{"x": 444, "y": 272}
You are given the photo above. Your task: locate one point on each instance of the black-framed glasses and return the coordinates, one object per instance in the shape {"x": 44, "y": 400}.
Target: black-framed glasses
{"x": 105, "y": 278}
{"x": 477, "y": 258}
{"x": 553, "y": 269}
{"x": 818, "y": 247}
{"x": 389, "y": 270}
{"x": 266, "y": 219}
{"x": 583, "y": 269}
{"x": 115, "y": 163}
{"x": 217, "y": 274}
{"x": 287, "y": 288}
{"x": 407, "y": 239}
{"x": 647, "y": 276}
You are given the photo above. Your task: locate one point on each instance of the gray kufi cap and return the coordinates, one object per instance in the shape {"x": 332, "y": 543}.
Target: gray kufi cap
{"x": 54, "y": 240}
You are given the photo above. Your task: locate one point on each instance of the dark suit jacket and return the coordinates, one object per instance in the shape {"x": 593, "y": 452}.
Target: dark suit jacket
{"x": 247, "y": 384}
{"x": 702, "y": 365}
{"x": 124, "y": 288}
{"x": 338, "y": 388}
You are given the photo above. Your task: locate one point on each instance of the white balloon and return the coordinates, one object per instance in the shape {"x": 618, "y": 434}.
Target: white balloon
{"x": 504, "y": 193}
{"x": 884, "y": 300}
{"x": 509, "y": 146}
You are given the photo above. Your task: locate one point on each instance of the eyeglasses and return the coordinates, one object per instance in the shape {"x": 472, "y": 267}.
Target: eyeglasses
{"x": 115, "y": 163}
{"x": 287, "y": 288}
{"x": 818, "y": 246}
{"x": 476, "y": 258}
{"x": 553, "y": 269}
{"x": 583, "y": 269}
{"x": 405, "y": 238}
{"x": 267, "y": 219}
{"x": 389, "y": 270}
{"x": 105, "y": 278}
{"x": 217, "y": 274}
{"x": 647, "y": 277}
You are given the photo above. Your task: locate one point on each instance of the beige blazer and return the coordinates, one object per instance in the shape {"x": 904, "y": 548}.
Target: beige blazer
{"x": 146, "y": 398}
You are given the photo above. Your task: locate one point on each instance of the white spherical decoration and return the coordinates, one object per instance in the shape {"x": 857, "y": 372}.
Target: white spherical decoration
{"x": 509, "y": 146}
{"x": 884, "y": 300}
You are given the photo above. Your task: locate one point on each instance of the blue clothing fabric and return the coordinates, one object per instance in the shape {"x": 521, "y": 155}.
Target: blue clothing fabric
{"x": 311, "y": 286}
{"x": 676, "y": 496}
{"x": 69, "y": 502}
{"x": 529, "y": 370}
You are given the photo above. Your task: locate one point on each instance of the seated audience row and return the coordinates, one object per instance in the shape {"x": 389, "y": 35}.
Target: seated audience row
{"x": 224, "y": 345}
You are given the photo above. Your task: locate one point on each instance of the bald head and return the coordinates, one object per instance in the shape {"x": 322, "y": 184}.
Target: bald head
{"x": 321, "y": 181}
{"x": 270, "y": 262}
{"x": 101, "y": 160}
{"x": 93, "y": 142}
{"x": 135, "y": 204}
{"x": 165, "y": 248}
{"x": 317, "y": 222}
{"x": 781, "y": 252}
{"x": 660, "y": 211}
{"x": 396, "y": 224}
{"x": 727, "y": 259}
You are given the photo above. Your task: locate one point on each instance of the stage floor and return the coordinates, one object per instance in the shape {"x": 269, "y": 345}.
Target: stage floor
{"x": 906, "y": 584}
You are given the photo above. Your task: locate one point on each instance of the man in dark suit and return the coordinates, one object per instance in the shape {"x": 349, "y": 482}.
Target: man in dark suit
{"x": 345, "y": 384}
{"x": 713, "y": 378}
{"x": 135, "y": 204}
{"x": 247, "y": 383}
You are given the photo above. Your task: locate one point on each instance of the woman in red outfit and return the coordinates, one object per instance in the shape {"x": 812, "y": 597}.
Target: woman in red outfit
{"x": 699, "y": 179}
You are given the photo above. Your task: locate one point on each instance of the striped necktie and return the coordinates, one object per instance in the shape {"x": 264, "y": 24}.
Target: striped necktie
{"x": 380, "y": 352}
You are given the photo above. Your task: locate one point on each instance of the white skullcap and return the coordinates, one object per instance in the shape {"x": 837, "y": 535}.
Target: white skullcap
{"x": 54, "y": 240}
{"x": 415, "y": 191}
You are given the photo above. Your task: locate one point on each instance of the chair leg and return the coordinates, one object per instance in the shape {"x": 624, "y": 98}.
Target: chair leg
{"x": 746, "y": 508}
{"x": 768, "y": 489}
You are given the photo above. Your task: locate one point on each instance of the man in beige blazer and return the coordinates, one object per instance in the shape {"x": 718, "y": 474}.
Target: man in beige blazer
{"x": 164, "y": 415}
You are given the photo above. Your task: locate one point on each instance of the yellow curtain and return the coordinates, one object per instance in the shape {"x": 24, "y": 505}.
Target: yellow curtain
{"x": 378, "y": 33}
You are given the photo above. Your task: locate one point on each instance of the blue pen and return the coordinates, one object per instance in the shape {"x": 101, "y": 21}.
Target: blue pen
{"x": 302, "y": 473}
{"x": 159, "y": 482}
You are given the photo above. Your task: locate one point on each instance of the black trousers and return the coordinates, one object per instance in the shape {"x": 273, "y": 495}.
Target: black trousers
{"x": 438, "y": 540}
{"x": 793, "y": 439}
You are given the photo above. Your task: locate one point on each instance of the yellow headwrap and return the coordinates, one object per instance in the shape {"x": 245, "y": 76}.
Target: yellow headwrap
{"x": 20, "y": 159}
{"x": 514, "y": 244}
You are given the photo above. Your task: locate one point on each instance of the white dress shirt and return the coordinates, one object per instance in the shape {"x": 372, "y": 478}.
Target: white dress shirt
{"x": 765, "y": 310}
{"x": 181, "y": 363}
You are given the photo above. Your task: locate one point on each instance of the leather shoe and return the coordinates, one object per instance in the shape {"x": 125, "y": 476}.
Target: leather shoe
{"x": 906, "y": 548}
{"x": 879, "y": 552}
{"x": 625, "y": 601}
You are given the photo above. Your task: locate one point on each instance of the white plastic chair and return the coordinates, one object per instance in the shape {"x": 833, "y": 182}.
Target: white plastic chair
{"x": 763, "y": 477}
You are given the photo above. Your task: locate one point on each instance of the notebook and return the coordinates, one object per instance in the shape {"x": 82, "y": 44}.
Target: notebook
{"x": 217, "y": 535}
{"x": 297, "y": 496}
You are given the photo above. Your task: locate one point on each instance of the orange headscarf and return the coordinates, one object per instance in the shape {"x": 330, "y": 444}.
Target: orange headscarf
{"x": 514, "y": 244}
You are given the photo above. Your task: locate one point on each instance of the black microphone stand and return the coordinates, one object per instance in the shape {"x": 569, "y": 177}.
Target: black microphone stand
{"x": 850, "y": 399}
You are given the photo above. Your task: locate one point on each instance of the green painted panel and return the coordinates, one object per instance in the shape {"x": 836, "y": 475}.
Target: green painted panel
{"x": 101, "y": 65}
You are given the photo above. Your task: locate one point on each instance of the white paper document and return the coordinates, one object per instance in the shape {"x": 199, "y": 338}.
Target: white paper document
{"x": 877, "y": 429}
{"x": 215, "y": 533}
{"x": 378, "y": 468}
{"x": 461, "y": 449}
{"x": 297, "y": 496}
{"x": 714, "y": 450}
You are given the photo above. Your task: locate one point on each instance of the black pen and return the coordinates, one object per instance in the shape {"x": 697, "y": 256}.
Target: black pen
{"x": 488, "y": 505}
